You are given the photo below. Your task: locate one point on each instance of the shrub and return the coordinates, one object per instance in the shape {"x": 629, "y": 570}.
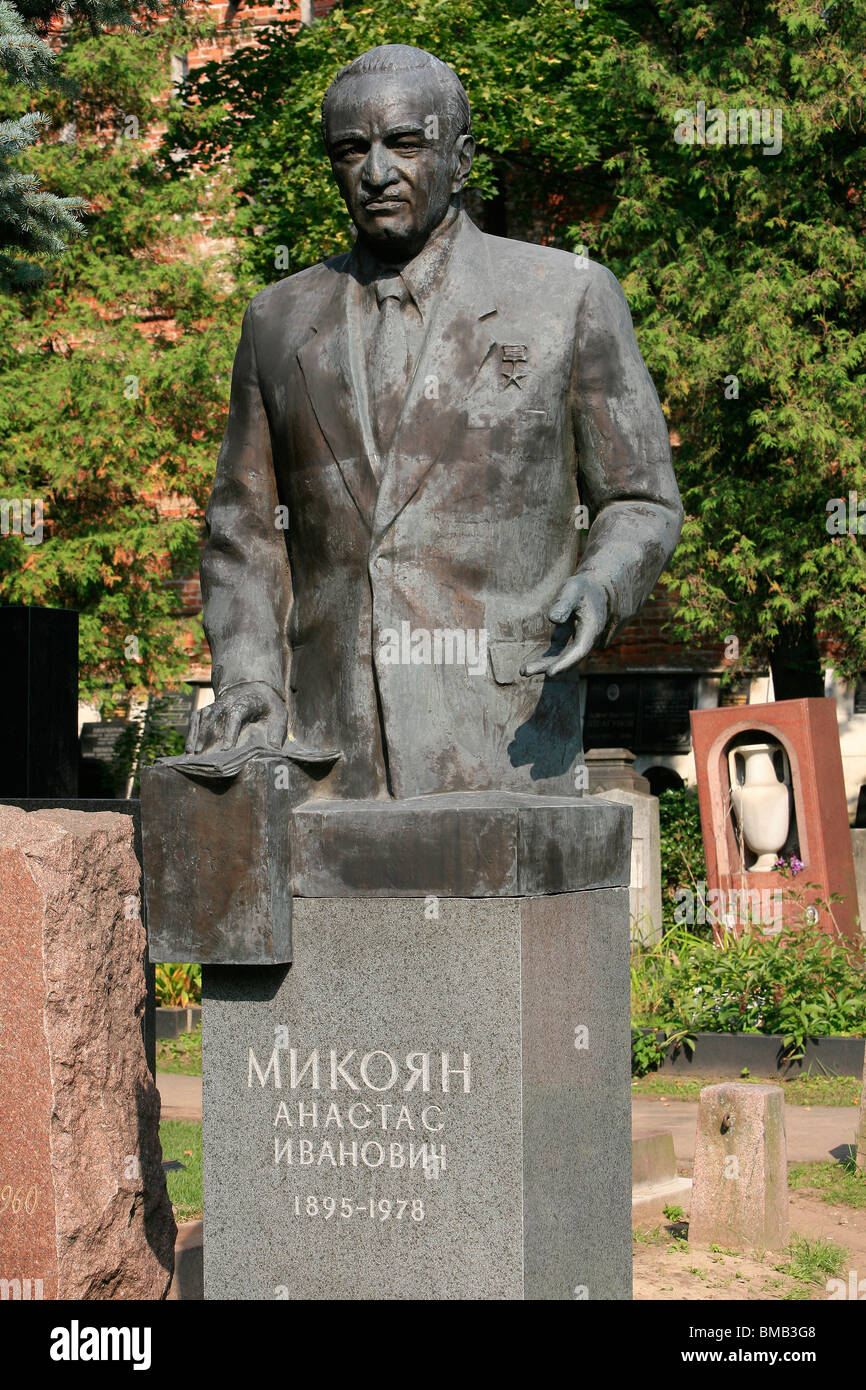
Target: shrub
{"x": 682, "y": 851}
{"x": 648, "y": 1048}
{"x": 177, "y": 985}
{"x": 801, "y": 983}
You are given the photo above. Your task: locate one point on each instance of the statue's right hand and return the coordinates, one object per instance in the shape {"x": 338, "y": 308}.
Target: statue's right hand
{"x": 220, "y": 725}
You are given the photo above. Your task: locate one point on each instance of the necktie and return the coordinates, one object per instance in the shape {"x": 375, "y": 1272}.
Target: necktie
{"x": 389, "y": 360}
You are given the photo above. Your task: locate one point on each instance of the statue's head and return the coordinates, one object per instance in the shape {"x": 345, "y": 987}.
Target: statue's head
{"x": 396, "y": 127}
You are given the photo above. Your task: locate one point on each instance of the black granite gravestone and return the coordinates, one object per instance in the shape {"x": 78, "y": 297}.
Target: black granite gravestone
{"x": 39, "y": 702}
{"x": 663, "y": 713}
{"x": 647, "y": 713}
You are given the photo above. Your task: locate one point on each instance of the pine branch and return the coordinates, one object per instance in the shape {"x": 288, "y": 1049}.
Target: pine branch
{"x": 23, "y": 55}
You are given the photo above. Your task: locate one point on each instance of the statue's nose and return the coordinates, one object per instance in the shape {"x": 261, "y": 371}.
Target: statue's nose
{"x": 379, "y": 168}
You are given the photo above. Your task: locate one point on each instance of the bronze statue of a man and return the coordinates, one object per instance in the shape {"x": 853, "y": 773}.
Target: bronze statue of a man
{"x": 431, "y": 412}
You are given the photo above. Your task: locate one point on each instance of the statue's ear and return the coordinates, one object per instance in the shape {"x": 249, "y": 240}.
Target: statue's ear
{"x": 464, "y": 151}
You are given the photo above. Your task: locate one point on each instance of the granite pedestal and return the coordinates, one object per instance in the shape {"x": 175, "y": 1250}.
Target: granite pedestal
{"x": 432, "y": 1100}
{"x": 409, "y": 1111}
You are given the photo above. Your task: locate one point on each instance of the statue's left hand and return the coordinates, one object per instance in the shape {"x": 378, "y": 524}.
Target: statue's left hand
{"x": 584, "y": 599}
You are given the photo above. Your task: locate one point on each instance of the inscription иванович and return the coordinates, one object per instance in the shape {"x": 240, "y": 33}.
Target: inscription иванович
{"x": 355, "y": 1132}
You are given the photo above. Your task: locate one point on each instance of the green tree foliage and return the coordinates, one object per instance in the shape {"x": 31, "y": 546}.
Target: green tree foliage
{"x": 114, "y": 374}
{"x": 737, "y": 262}
{"x": 34, "y": 222}
{"x": 682, "y": 854}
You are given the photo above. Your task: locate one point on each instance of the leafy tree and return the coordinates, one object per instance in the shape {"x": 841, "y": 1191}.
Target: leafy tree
{"x": 34, "y": 222}
{"x": 150, "y": 734}
{"x": 114, "y": 373}
{"x": 738, "y": 263}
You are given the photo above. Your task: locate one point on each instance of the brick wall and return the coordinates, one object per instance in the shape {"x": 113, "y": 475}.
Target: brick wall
{"x": 647, "y": 644}
{"x": 237, "y": 25}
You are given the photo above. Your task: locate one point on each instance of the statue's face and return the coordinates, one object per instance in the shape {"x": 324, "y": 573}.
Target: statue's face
{"x": 395, "y": 162}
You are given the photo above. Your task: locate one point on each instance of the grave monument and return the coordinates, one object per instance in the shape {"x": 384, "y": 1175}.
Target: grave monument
{"x": 84, "y": 1211}
{"x": 414, "y": 925}
{"x": 772, "y": 796}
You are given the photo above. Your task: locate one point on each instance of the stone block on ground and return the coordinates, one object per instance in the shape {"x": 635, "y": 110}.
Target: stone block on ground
{"x": 90, "y": 1216}
{"x": 655, "y": 1183}
{"x": 740, "y": 1186}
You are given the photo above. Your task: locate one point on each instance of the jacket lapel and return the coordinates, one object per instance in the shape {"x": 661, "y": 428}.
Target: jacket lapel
{"x": 460, "y": 337}
{"x": 330, "y": 363}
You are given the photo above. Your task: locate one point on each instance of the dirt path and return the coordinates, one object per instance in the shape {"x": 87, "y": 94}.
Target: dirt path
{"x": 668, "y": 1270}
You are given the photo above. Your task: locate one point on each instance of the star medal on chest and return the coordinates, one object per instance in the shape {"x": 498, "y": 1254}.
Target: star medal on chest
{"x": 512, "y": 356}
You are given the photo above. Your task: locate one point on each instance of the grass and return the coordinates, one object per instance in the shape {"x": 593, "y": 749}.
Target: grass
{"x": 842, "y": 1184}
{"x": 181, "y": 1055}
{"x": 650, "y": 1235}
{"x": 181, "y": 1141}
{"x": 808, "y": 1261}
{"x": 820, "y": 1089}
{"x": 812, "y": 1261}
{"x": 673, "y": 1234}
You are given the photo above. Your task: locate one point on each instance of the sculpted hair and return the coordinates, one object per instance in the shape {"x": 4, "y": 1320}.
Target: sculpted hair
{"x": 399, "y": 57}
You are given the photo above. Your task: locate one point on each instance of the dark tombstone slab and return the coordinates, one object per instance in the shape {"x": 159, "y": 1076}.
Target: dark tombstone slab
{"x": 664, "y": 703}
{"x": 610, "y": 719}
{"x": 166, "y": 722}
{"x": 646, "y": 713}
{"x": 39, "y": 702}
{"x": 175, "y": 708}
{"x": 97, "y": 747}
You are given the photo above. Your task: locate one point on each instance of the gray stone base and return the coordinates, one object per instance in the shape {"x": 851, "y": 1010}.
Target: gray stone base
{"x": 655, "y": 1181}
{"x": 432, "y": 1102}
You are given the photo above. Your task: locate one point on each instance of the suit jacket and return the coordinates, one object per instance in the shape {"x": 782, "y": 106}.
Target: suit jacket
{"x": 471, "y": 526}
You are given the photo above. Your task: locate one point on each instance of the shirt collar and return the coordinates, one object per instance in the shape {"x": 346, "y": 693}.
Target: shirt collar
{"x": 422, "y": 274}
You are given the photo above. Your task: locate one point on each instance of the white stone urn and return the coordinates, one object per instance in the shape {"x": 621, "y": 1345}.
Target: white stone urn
{"x": 761, "y": 802}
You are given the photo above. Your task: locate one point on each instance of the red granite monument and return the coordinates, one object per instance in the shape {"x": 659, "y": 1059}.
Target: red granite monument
{"x": 84, "y": 1212}
{"x": 774, "y": 815}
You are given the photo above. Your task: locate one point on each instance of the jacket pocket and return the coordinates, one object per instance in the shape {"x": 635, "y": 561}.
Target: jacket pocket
{"x": 506, "y": 659}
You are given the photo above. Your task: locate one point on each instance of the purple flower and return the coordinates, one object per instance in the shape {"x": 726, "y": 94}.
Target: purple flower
{"x": 796, "y": 864}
